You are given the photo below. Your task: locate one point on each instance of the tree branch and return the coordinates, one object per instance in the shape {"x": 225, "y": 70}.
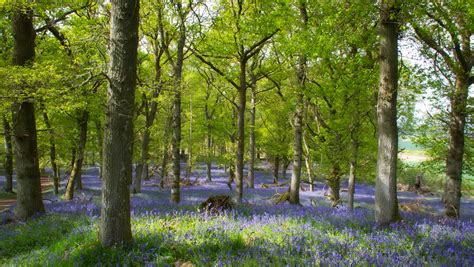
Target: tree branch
{"x": 50, "y": 23}
{"x": 213, "y": 67}
{"x": 253, "y": 49}
{"x": 423, "y": 36}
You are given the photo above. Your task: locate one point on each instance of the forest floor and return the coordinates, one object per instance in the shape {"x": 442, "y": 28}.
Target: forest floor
{"x": 256, "y": 232}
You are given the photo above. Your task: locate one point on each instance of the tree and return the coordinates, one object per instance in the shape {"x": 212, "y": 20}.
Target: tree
{"x": 76, "y": 172}
{"x": 177, "y": 87}
{"x": 52, "y": 149}
{"x": 29, "y": 198}
{"x": 239, "y": 52}
{"x": 294, "y": 197}
{"x": 446, "y": 28}
{"x": 150, "y": 27}
{"x": 118, "y": 135}
{"x": 386, "y": 201}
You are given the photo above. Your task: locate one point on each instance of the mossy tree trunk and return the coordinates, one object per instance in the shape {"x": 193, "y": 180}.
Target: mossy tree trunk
{"x": 29, "y": 198}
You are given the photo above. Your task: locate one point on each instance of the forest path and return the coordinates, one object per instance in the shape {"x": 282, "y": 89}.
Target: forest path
{"x": 6, "y": 203}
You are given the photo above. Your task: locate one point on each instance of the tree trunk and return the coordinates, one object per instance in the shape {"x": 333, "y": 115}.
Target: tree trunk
{"x": 52, "y": 150}
{"x": 239, "y": 164}
{"x": 452, "y": 191}
{"x": 209, "y": 152}
{"x": 115, "y": 225}
{"x": 76, "y": 173}
{"x": 176, "y": 140}
{"x": 284, "y": 167}
{"x": 189, "y": 164}
{"x": 297, "y": 151}
{"x": 309, "y": 165}
{"x": 8, "y": 187}
{"x": 253, "y": 104}
{"x": 276, "y": 168}
{"x": 81, "y": 148}
{"x": 386, "y": 202}
{"x": 142, "y": 167}
{"x": 334, "y": 183}
{"x": 164, "y": 165}
{"x": 231, "y": 178}
{"x": 29, "y": 198}
{"x": 209, "y": 117}
{"x": 137, "y": 181}
{"x": 352, "y": 174}
{"x": 175, "y": 145}
{"x": 73, "y": 159}
{"x": 294, "y": 197}
{"x": 100, "y": 139}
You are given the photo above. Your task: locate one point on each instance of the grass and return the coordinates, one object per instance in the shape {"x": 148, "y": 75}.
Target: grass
{"x": 244, "y": 238}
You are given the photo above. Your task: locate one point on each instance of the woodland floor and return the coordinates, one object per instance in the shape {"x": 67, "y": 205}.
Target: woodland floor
{"x": 423, "y": 229}
{"x": 198, "y": 190}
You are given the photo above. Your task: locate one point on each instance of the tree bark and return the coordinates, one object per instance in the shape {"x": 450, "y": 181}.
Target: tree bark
{"x": 452, "y": 191}
{"x": 164, "y": 166}
{"x": 150, "y": 115}
{"x": 309, "y": 165}
{"x": 29, "y": 198}
{"x": 253, "y": 109}
{"x": 209, "y": 151}
{"x": 386, "y": 201}
{"x": 7, "y": 131}
{"x": 209, "y": 116}
{"x": 166, "y": 153}
{"x": 352, "y": 173}
{"x": 189, "y": 163}
{"x": 276, "y": 168}
{"x": 52, "y": 150}
{"x": 284, "y": 166}
{"x": 239, "y": 166}
{"x": 73, "y": 159}
{"x": 297, "y": 151}
{"x": 294, "y": 197}
{"x": 334, "y": 183}
{"x": 100, "y": 139}
{"x": 142, "y": 166}
{"x": 176, "y": 139}
{"x": 115, "y": 225}
{"x": 76, "y": 172}
{"x": 231, "y": 177}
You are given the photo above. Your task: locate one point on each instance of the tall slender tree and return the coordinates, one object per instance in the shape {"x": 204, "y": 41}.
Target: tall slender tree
{"x": 29, "y": 198}
{"x": 446, "y": 29}
{"x": 52, "y": 149}
{"x": 244, "y": 47}
{"x": 294, "y": 197}
{"x": 386, "y": 201}
{"x": 76, "y": 172}
{"x": 118, "y": 134}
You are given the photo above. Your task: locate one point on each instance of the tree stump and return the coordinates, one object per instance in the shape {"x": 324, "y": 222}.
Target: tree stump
{"x": 217, "y": 204}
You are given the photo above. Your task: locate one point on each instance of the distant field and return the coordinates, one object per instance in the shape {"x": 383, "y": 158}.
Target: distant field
{"x": 408, "y": 145}
{"x": 411, "y": 153}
